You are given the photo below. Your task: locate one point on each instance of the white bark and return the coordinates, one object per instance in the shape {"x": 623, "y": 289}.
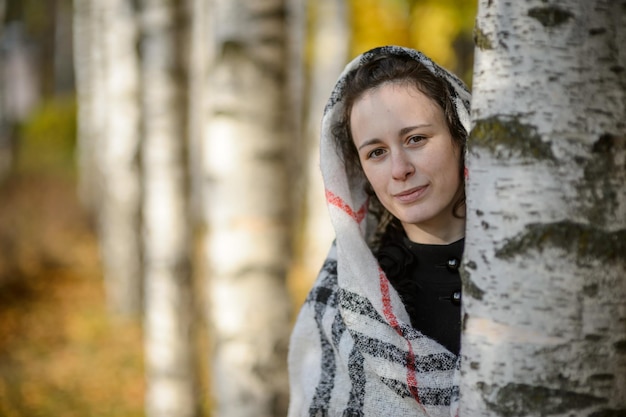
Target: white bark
{"x": 544, "y": 282}
{"x": 117, "y": 154}
{"x": 6, "y": 151}
{"x": 20, "y": 74}
{"x": 248, "y": 208}
{"x": 169, "y": 341}
{"x": 297, "y": 37}
{"x": 87, "y": 70}
{"x": 330, "y": 43}
{"x": 199, "y": 55}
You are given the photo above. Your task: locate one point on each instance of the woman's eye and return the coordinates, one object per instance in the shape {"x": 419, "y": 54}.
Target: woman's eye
{"x": 376, "y": 153}
{"x": 416, "y": 139}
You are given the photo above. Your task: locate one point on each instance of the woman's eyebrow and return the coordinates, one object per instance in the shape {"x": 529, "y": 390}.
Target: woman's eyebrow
{"x": 369, "y": 142}
{"x": 407, "y": 129}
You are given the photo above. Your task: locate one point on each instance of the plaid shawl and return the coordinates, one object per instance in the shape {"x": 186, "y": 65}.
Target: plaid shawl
{"x": 353, "y": 351}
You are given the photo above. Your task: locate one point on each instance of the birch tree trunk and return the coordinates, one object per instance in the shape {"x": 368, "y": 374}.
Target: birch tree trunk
{"x": 117, "y": 155}
{"x": 544, "y": 274}
{"x": 330, "y": 42}
{"x": 248, "y": 205}
{"x": 200, "y": 52}
{"x": 6, "y": 148}
{"x": 296, "y": 79}
{"x": 88, "y": 67}
{"x": 169, "y": 336}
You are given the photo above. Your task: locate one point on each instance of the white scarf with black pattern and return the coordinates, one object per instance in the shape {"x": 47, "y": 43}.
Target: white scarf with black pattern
{"x": 353, "y": 351}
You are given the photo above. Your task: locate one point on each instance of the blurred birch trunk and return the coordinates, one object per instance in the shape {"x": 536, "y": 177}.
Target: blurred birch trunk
{"x": 544, "y": 281}
{"x": 296, "y": 79}
{"x": 248, "y": 209}
{"x": 169, "y": 336}
{"x": 112, "y": 81}
{"x": 88, "y": 70}
{"x": 6, "y": 148}
{"x": 330, "y": 43}
{"x": 200, "y": 53}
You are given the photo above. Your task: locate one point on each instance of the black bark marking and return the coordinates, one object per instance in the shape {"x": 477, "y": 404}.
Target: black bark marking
{"x": 593, "y": 337}
{"x": 550, "y": 16}
{"x": 470, "y": 289}
{"x": 518, "y": 400}
{"x": 601, "y": 378}
{"x": 597, "y": 31}
{"x": 481, "y": 40}
{"x": 591, "y": 290}
{"x": 607, "y": 143}
{"x": 603, "y": 179}
{"x": 278, "y": 12}
{"x": 585, "y": 241}
{"x": 609, "y": 413}
{"x": 506, "y": 137}
{"x": 620, "y": 346}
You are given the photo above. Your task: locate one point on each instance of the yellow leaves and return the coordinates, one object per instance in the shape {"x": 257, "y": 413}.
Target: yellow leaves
{"x": 434, "y": 27}
{"x": 442, "y": 29}
{"x": 379, "y": 22}
{"x": 48, "y": 136}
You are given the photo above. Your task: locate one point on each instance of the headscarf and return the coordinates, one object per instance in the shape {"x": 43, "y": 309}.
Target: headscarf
{"x": 353, "y": 351}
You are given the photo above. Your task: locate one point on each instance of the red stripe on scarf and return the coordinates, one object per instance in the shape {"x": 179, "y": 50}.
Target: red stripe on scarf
{"x": 337, "y": 201}
{"x": 411, "y": 377}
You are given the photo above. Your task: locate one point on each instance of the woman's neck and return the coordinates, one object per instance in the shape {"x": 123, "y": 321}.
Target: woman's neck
{"x": 453, "y": 231}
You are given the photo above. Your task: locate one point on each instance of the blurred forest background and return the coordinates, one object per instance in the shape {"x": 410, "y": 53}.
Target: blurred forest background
{"x": 131, "y": 199}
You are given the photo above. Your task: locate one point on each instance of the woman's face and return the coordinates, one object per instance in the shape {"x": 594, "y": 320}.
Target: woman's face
{"x": 410, "y": 159}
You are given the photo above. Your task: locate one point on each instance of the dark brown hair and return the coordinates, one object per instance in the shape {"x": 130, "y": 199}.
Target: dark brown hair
{"x": 396, "y": 68}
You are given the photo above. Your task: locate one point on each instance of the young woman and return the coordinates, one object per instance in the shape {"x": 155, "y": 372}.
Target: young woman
{"x": 379, "y": 333}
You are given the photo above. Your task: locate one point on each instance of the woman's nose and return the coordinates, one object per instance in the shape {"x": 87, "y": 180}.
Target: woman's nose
{"x": 402, "y": 167}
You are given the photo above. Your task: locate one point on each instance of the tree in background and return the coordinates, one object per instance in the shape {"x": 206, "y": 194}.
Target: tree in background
{"x": 6, "y": 154}
{"x": 544, "y": 286}
{"x": 328, "y": 46}
{"x": 172, "y": 388}
{"x": 107, "y": 84}
{"x": 20, "y": 78}
{"x": 90, "y": 118}
{"x": 117, "y": 153}
{"x": 108, "y": 143}
{"x": 3, "y": 7}
{"x": 199, "y": 55}
{"x": 246, "y": 196}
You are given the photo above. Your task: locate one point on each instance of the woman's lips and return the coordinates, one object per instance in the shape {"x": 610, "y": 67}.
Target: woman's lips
{"x": 411, "y": 195}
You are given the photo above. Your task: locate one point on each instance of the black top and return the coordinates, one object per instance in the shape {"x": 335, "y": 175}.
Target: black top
{"x": 428, "y": 282}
